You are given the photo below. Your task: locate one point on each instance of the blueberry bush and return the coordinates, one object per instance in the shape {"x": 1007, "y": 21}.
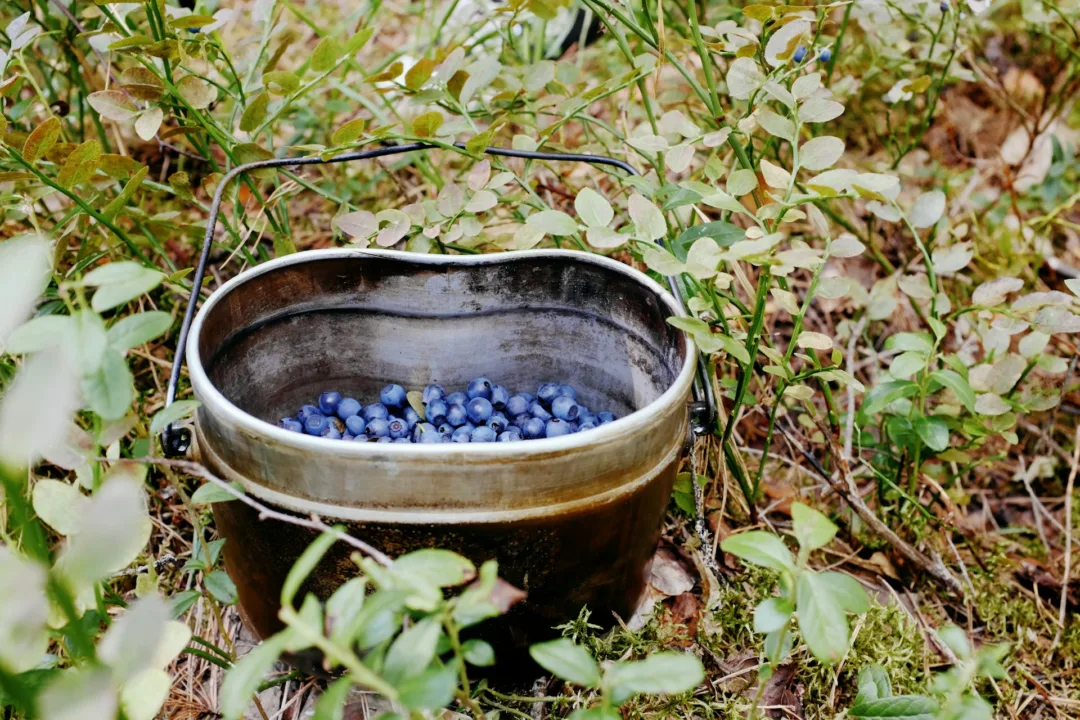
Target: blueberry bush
{"x": 870, "y": 207}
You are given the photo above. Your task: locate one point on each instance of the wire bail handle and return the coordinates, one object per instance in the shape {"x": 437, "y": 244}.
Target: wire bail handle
{"x": 177, "y": 441}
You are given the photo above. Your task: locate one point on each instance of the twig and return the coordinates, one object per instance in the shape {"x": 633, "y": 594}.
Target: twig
{"x": 856, "y": 332}
{"x": 845, "y": 488}
{"x": 169, "y": 560}
{"x": 1068, "y": 538}
{"x": 314, "y": 523}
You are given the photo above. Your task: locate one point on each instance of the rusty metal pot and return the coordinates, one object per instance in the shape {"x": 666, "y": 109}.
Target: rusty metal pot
{"x": 571, "y": 520}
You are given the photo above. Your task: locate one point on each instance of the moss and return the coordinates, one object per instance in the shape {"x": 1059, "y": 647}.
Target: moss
{"x": 887, "y": 637}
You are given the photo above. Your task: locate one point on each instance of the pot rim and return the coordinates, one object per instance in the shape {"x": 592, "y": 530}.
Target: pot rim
{"x": 215, "y": 402}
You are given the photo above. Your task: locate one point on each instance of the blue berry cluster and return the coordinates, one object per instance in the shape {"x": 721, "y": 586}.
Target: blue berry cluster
{"x": 484, "y": 412}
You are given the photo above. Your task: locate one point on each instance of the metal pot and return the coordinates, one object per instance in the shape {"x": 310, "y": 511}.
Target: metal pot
{"x": 571, "y": 520}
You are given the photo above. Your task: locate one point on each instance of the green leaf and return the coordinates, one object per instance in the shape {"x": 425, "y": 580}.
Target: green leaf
{"x": 40, "y": 333}
{"x": 109, "y": 391}
{"x": 351, "y": 131}
{"x": 822, "y": 621}
{"x": 281, "y": 82}
{"x": 873, "y": 684}
{"x": 934, "y": 432}
{"x": 724, "y": 233}
{"x": 246, "y": 675}
{"x": 957, "y": 640}
{"x": 772, "y": 614}
{"x": 553, "y": 222}
{"x": 845, "y": 591}
{"x": 430, "y": 690}
{"x": 812, "y": 529}
{"x": 777, "y": 645}
{"x": 567, "y": 660}
{"x": 359, "y": 40}
{"x": 901, "y": 432}
{"x": 478, "y": 653}
{"x": 680, "y": 197}
{"x": 114, "y": 294}
{"x": 662, "y": 672}
{"x": 220, "y": 585}
{"x": 213, "y": 493}
{"x": 760, "y": 548}
{"x": 331, "y": 704}
{"x": 305, "y": 564}
{"x": 593, "y": 208}
{"x": 412, "y": 651}
{"x": 440, "y": 568}
{"x": 910, "y": 341}
{"x": 41, "y": 140}
{"x": 898, "y": 707}
{"x": 255, "y": 112}
{"x": 326, "y": 54}
{"x": 960, "y": 387}
{"x": 138, "y": 329}
{"x": 168, "y": 415}
{"x": 122, "y": 200}
{"x": 59, "y": 505}
{"x": 596, "y": 713}
{"x": 881, "y": 395}
{"x": 90, "y": 339}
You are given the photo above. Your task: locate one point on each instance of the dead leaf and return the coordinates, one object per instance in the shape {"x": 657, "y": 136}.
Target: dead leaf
{"x": 780, "y": 697}
{"x": 668, "y": 575}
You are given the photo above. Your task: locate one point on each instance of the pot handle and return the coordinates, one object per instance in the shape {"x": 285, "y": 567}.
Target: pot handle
{"x": 177, "y": 441}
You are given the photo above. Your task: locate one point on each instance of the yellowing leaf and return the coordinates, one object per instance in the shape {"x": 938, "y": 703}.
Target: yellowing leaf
{"x": 428, "y": 124}
{"x": 326, "y": 54}
{"x": 419, "y": 74}
{"x": 112, "y": 104}
{"x": 196, "y": 92}
{"x": 42, "y": 139}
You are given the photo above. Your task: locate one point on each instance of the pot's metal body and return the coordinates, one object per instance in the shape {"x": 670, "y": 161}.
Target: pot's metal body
{"x": 572, "y": 520}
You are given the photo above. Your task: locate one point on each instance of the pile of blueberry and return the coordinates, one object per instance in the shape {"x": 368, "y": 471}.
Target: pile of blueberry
{"x": 485, "y": 412}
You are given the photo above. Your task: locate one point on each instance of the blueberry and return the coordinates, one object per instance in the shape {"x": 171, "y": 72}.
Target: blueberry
{"x": 461, "y": 435}
{"x": 384, "y": 439}
{"x": 533, "y": 428}
{"x": 556, "y": 427}
{"x": 605, "y": 417}
{"x": 429, "y": 436}
{"x": 480, "y": 387}
{"x": 355, "y": 424}
{"x": 800, "y": 54}
{"x": 499, "y": 396}
{"x": 398, "y": 428}
{"x": 421, "y": 429}
{"x": 564, "y": 408}
{"x": 547, "y": 392}
{"x": 411, "y": 417}
{"x": 374, "y": 411}
{"x": 537, "y": 410}
{"x": 484, "y": 434}
{"x": 456, "y": 415}
{"x": 520, "y": 420}
{"x": 517, "y": 405}
{"x": 291, "y": 424}
{"x": 330, "y": 433}
{"x": 378, "y": 427}
{"x": 307, "y": 411}
{"x": 479, "y": 409}
{"x": 348, "y": 407}
{"x": 587, "y": 426}
{"x": 315, "y": 424}
{"x": 587, "y": 417}
{"x": 498, "y": 422}
{"x": 433, "y": 392}
{"x": 361, "y": 438}
{"x": 567, "y": 391}
{"x": 514, "y": 428}
{"x": 393, "y": 396}
{"x": 328, "y": 402}
{"x": 470, "y": 426}
{"x": 509, "y": 436}
{"x": 405, "y": 440}
{"x": 944, "y": 7}
{"x": 528, "y": 396}
{"x": 436, "y": 412}
{"x": 456, "y": 398}
{"x": 347, "y": 436}
{"x": 446, "y": 428}
{"x": 826, "y": 55}
{"x": 337, "y": 423}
